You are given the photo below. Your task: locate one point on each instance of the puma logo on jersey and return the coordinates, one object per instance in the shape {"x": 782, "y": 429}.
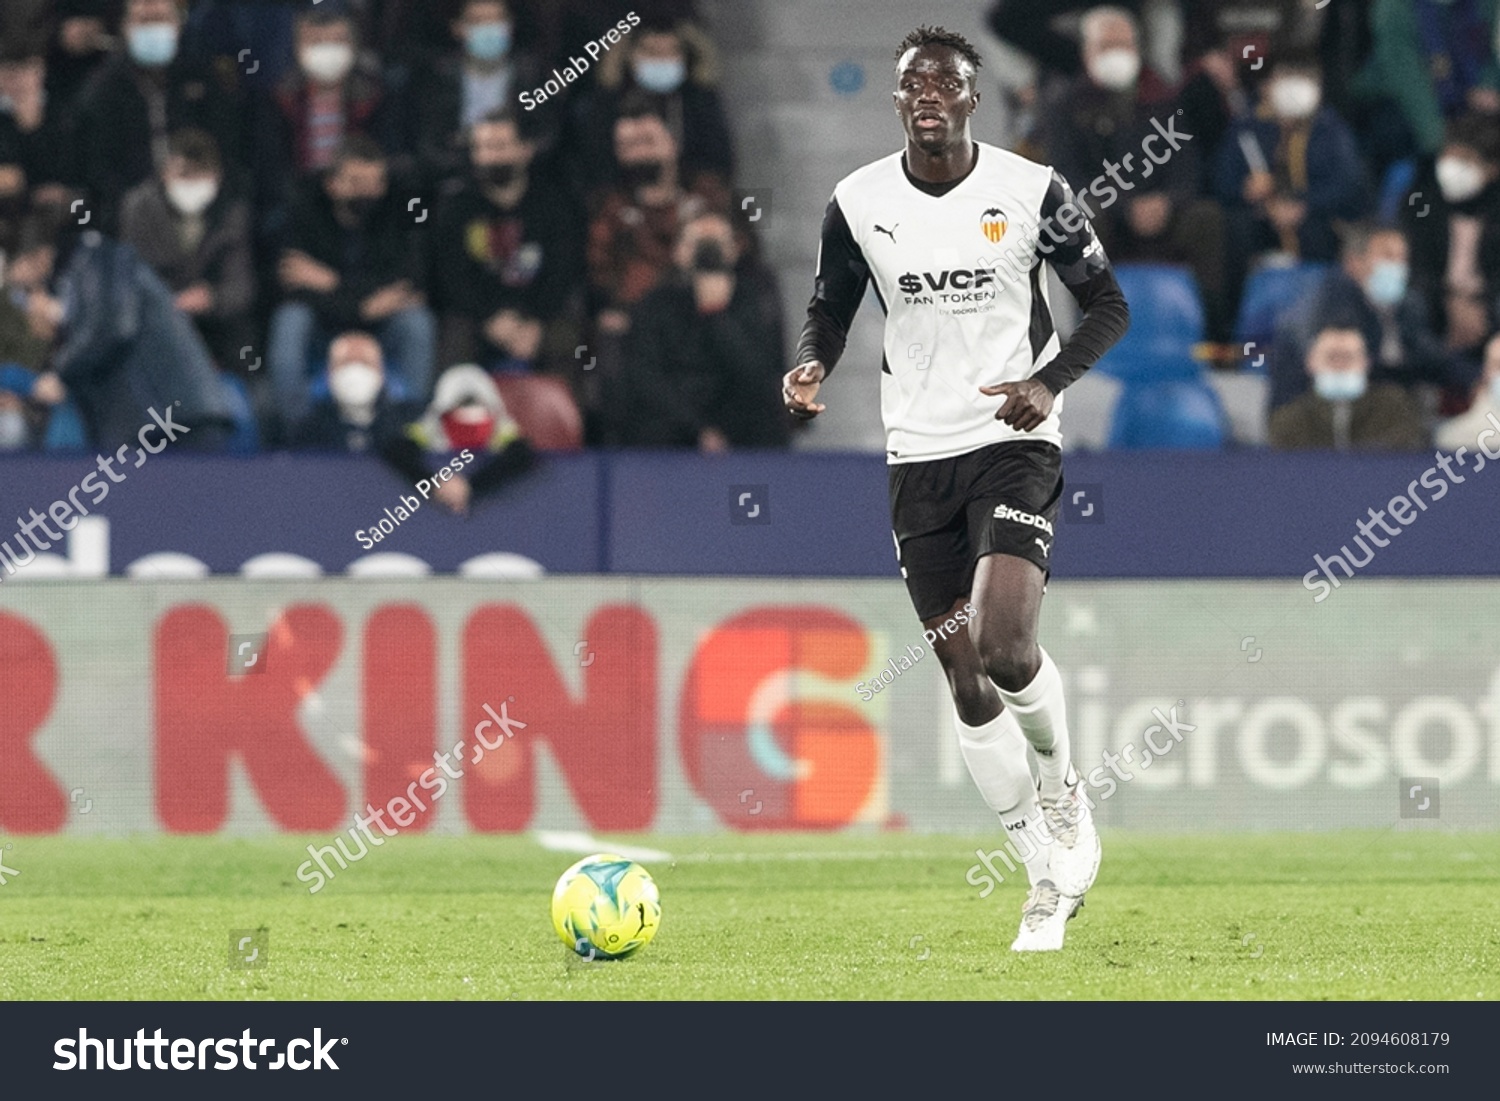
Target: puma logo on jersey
{"x": 1039, "y": 543}
{"x": 891, "y": 233}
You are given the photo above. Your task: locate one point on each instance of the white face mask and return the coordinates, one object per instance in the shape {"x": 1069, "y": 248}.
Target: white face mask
{"x": 1295, "y": 97}
{"x": 153, "y": 45}
{"x": 1115, "y": 69}
{"x": 356, "y": 385}
{"x": 1340, "y": 385}
{"x": 14, "y": 434}
{"x": 328, "y": 62}
{"x": 1495, "y": 391}
{"x": 192, "y": 197}
{"x": 1460, "y": 178}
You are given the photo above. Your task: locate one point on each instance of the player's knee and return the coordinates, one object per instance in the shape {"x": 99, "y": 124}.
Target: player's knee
{"x": 1011, "y": 662}
{"x": 973, "y": 697}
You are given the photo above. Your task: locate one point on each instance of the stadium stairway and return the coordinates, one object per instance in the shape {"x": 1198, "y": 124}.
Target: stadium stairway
{"x": 807, "y": 85}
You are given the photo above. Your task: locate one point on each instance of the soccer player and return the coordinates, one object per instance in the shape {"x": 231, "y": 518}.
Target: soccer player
{"x": 954, "y": 232}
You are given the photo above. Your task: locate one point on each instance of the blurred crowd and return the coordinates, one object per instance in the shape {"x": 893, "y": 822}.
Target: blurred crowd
{"x": 335, "y": 225}
{"x": 1353, "y": 147}
{"x": 369, "y": 224}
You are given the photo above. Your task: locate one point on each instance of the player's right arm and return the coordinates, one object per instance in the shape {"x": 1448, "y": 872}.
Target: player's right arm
{"x": 838, "y": 290}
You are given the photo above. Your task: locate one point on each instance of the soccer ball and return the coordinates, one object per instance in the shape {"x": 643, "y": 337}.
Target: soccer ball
{"x": 606, "y": 907}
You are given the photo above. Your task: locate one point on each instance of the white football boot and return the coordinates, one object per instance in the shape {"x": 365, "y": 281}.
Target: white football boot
{"x": 1076, "y": 850}
{"x": 1044, "y": 919}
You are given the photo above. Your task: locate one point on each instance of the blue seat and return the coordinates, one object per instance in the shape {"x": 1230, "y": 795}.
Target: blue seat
{"x": 1166, "y": 321}
{"x": 65, "y": 430}
{"x": 246, "y": 437}
{"x": 1395, "y": 189}
{"x": 1180, "y": 415}
{"x": 1269, "y": 295}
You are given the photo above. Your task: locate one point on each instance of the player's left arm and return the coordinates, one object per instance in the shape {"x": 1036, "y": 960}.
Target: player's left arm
{"x": 1068, "y": 242}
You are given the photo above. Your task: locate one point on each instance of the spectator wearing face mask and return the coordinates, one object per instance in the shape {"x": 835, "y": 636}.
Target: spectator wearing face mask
{"x": 561, "y": 24}
{"x": 507, "y": 253}
{"x": 127, "y": 112}
{"x": 351, "y": 260}
{"x": 359, "y": 414}
{"x": 1484, "y": 407}
{"x": 1344, "y": 410}
{"x": 635, "y": 227}
{"x": 1289, "y": 174}
{"x": 1369, "y": 292}
{"x": 485, "y": 75}
{"x": 1102, "y": 117}
{"x": 198, "y": 240}
{"x": 1043, "y": 33}
{"x": 1233, "y": 42}
{"x": 1455, "y": 234}
{"x": 330, "y": 97}
{"x": 704, "y": 354}
{"x": 632, "y": 236}
{"x": 466, "y": 414}
{"x": 674, "y": 65}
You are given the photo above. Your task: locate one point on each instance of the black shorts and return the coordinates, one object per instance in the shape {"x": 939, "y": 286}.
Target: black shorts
{"x": 949, "y": 513}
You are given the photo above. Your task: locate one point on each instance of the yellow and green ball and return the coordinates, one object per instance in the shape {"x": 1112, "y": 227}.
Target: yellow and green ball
{"x": 606, "y": 907}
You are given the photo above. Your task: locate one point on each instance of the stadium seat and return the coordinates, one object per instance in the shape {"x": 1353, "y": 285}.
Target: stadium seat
{"x": 1269, "y": 294}
{"x": 246, "y": 437}
{"x": 1245, "y": 397}
{"x": 545, "y": 410}
{"x": 1089, "y": 411}
{"x": 1166, "y": 321}
{"x": 65, "y": 430}
{"x": 1395, "y": 189}
{"x": 1177, "y": 415}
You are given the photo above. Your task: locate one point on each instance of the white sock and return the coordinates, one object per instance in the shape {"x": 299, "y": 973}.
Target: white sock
{"x": 996, "y": 756}
{"x": 1042, "y": 713}
{"x": 1028, "y": 839}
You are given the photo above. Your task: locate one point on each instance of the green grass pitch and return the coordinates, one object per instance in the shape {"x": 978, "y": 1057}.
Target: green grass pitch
{"x": 1368, "y": 915}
